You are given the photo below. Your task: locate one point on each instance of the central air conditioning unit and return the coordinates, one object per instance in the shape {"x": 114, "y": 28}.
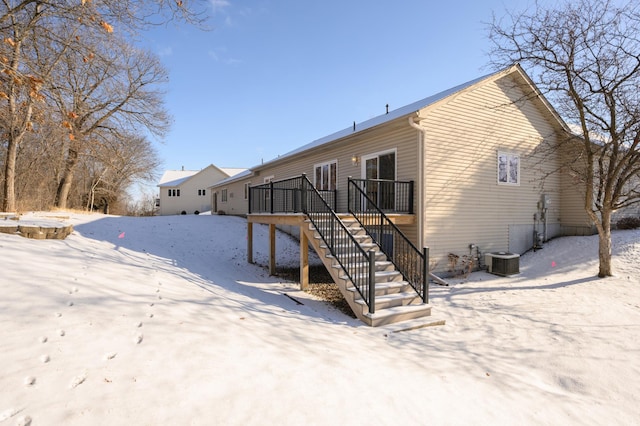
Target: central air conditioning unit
{"x": 503, "y": 263}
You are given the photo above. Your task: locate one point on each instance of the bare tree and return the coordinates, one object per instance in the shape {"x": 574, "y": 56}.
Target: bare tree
{"x": 106, "y": 94}
{"x": 114, "y": 165}
{"x": 30, "y": 25}
{"x": 585, "y": 56}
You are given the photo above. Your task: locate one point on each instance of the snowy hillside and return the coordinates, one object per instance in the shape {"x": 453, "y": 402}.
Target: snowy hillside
{"x": 161, "y": 321}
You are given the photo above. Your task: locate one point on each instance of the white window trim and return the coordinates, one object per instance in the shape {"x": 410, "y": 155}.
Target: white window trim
{"x": 325, "y": 163}
{"x": 247, "y": 185}
{"x": 224, "y": 195}
{"x": 508, "y": 155}
{"x": 364, "y": 158}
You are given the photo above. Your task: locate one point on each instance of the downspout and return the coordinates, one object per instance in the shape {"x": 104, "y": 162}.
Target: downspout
{"x": 420, "y": 188}
{"x": 421, "y": 184}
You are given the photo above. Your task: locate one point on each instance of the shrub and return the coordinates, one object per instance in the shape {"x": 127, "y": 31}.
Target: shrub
{"x": 183, "y": 212}
{"x": 628, "y": 223}
{"x": 196, "y": 212}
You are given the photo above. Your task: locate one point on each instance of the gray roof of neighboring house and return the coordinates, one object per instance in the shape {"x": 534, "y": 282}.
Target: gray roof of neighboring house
{"x": 176, "y": 177}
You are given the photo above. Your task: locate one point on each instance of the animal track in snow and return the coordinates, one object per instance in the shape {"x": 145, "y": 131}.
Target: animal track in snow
{"x": 58, "y": 314}
{"x": 29, "y": 381}
{"x": 45, "y": 359}
{"x": 7, "y": 414}
{"x": 43, "y": 339}
{"x": 139, "y": 324}
{"x": 78, "y": 380}
{"x": 110, "y": 355}
{"x": 24, "y": 421}
{"x": 139, "y": 338}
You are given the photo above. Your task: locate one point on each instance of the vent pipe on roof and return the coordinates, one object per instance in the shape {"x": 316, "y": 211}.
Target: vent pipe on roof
{"x": 183, "y": 168}
{"x": 387, "y": 108}
{"x": 354, "y": 126}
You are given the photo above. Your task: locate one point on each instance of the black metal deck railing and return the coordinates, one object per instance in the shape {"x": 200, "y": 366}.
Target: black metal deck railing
{"x": 285, "y": 196}
{"x": 390, "y": 196}
{"x": 412, "y": 263}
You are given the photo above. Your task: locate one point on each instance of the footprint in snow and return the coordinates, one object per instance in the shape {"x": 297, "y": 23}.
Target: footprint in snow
{"x": 61, "y": 333}
{"x": 138, "y": 339}
{"x": 7, "y": 414}
{"x": 110, "y": 355}
{"x": 78, "y": 380}
{"x": 24, "y": 421}
{"x": 45, "y": 359}
{"x": 43, "y": 339}
{"x": 29, "y": 381}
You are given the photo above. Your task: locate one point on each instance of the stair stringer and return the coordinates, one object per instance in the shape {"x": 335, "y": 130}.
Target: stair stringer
{"x": 409, "y": 306}
{"x": 336, "y": 273}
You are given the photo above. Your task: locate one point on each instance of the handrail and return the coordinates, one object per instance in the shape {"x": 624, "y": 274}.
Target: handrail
{"x": 412, "y": 263}
{"x": 389, "y": 195}
{"x": 356, "y": 263}
{"x": 284, "y": 196}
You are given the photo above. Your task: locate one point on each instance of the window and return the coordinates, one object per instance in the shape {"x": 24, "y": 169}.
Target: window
{"x": 202, "y": 192}
{"x": 325, "y": 176}
{"x": 246, "y": 190}
{"x": 223, "y": 196}
{"x": 170, "y": 192}
{"x": 177, "y": 192}
{"x": 508, "y": 168}
{"x": 174, "y": 193}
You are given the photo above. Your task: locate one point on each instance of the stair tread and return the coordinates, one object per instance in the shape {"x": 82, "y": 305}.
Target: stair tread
{"x": 392, "y": 296}
{"x": 385, "y": 285}
{"x": 387, "y": 312}
{"x": 366, "y": 264}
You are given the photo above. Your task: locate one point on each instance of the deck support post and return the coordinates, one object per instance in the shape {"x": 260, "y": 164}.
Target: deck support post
{"x": 272, "y": 249}
{"x": 304, "y": 260}
{"x": 250, "y": 242}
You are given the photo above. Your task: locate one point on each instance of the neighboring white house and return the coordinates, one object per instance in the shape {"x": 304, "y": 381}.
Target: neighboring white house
{"x": 187, "y": 191}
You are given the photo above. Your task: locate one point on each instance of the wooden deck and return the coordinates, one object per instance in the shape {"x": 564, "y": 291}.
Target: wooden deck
{"x": 298, "y": 219}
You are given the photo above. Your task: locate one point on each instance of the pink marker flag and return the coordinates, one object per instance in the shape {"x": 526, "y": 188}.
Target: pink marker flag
{"x": 553, "y": 263}
{"x": 121, "y": 235}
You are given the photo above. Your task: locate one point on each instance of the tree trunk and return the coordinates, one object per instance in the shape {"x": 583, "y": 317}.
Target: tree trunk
{"x": 604, "y": 246}
{"x": 67, "y": 178}
{"x": 9, "y": 199}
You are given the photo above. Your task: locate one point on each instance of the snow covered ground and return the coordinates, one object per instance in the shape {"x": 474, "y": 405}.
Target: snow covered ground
{"x": 160, "y": 321}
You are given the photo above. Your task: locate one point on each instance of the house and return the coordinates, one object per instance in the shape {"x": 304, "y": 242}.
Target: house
{"x": 187, "y": 191}
{"x": 461, "y": 172}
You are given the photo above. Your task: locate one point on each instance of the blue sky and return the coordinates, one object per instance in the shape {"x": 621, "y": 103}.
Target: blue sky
{"x": 274, "y": 75}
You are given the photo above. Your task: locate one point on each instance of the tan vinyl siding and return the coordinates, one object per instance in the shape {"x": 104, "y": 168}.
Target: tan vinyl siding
{"x": 464, "y": 202}
{"x": 575, "y": 220}
{"x": 396, "y": 135}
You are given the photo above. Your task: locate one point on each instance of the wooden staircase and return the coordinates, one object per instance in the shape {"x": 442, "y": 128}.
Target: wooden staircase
{"x": 395, "y": 299}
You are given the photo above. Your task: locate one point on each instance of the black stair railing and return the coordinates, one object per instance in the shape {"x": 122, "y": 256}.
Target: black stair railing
{"x": 357, "y": 264}
{"x": 412, "y": 263}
